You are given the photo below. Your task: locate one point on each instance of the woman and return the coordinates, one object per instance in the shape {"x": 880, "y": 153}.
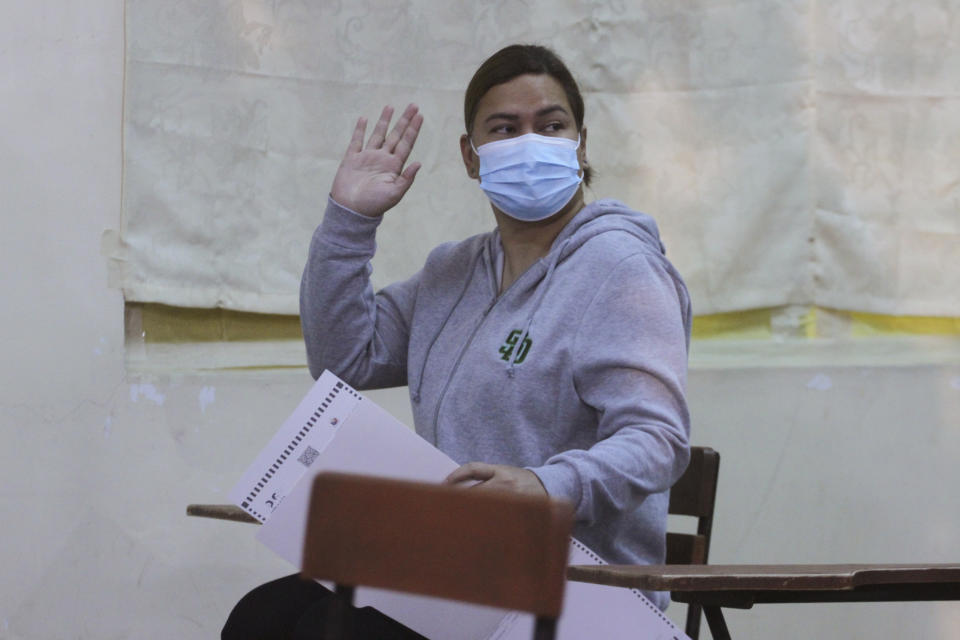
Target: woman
{"x": 548, "y": 356}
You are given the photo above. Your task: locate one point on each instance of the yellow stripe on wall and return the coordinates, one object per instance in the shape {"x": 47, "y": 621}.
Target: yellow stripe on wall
{"x": 872, "y": 324}
{"x": 165, "y": 324}
{"x": 752, "y": 324}
{"x": 158, "y": 323}
{"x": 755, "y": 324}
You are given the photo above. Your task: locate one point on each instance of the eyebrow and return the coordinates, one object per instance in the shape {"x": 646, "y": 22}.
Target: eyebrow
{"x": 513, "y": 117}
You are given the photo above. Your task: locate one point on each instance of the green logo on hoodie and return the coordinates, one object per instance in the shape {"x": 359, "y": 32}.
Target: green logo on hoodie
{"x": 506, "y": 351}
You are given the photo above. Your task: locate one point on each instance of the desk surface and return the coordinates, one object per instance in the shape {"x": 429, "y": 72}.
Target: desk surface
{"x": 781, "y": 579}
{"x": 742, "y": 585}
{"x": 794, "y": 577}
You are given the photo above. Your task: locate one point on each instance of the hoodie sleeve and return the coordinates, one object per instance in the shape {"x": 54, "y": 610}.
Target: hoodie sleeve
{"x": 357, "y": 335}
{"x": 631, "y": 355}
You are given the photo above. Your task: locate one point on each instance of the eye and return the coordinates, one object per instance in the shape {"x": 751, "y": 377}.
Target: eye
{"x": 553, "y": 127}
{"x": 503, "y": 129}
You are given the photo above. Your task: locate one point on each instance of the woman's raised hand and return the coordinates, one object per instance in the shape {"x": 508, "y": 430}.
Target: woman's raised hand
{"x": 372, "y": 178}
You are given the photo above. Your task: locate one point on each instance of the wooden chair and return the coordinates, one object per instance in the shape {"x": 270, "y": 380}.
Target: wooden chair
{"x": 694, "y": 494}
{"x": 484, "y": 547}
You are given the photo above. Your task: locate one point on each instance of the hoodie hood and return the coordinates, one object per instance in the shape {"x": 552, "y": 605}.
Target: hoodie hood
{"x": 606, "y": 215}
{"x": 598, "y": 217}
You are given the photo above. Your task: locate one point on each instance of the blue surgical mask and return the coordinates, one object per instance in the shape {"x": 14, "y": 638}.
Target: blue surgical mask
{"x": 530, "y": 177}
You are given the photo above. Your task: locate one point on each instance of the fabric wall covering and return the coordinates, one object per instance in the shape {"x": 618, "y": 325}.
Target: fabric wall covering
{"x": 793, "y": 152}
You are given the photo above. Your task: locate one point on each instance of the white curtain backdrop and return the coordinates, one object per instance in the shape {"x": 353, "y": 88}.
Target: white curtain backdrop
{"x": 793, "y": 152}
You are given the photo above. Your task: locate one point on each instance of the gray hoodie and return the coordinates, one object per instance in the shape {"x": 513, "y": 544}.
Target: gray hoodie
{"x": 576, "y": 372}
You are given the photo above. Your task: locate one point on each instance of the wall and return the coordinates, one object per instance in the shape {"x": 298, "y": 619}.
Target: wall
{"x": 824, "y": 464}
{"x": 97, "y": 461}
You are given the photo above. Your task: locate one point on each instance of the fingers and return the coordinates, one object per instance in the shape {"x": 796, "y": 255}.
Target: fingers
{"x": 402, "y": 127}
{"x": 408, "y": 138}
{"x": 356, "y": 142}
{"x": 401, "y": 138}
{"x": 380, "y": 130}
{"x": 471, "y": 471}
{"x": 498, "y": 477}
{"x": 410, "y": 173}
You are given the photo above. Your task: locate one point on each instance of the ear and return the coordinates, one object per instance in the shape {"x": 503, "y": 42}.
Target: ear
{"x": 470, "y": 160}
{"x": 582, "y": 149}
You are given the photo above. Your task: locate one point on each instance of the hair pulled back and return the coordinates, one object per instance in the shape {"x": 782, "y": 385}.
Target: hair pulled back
{"x": 517, "y": 60}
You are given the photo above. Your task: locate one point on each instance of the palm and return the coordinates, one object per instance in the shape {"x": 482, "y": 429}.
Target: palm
{"x": 372, "y": 178}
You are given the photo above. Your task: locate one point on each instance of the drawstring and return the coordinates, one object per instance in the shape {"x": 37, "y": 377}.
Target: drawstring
{"x": 466, "y": 284}
{"x": 536, "y": 306}
{"x": 511, "y": 367}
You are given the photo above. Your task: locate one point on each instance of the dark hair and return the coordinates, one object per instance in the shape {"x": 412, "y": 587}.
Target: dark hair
{"x": 517, "y": 60}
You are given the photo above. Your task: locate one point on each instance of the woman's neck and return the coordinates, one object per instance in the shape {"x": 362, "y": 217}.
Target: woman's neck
{"x": 526, "y": 242}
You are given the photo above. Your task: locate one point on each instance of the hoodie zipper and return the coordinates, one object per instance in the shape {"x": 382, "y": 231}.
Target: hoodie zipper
{"x": 463, "y": 351}
{"x": 456, "y": 366}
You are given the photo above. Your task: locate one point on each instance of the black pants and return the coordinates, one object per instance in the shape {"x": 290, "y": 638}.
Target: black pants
{"x": 292, "y": 608}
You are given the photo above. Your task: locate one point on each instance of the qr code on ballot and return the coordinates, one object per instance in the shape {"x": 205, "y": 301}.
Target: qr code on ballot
{"x": 308, "y": 456}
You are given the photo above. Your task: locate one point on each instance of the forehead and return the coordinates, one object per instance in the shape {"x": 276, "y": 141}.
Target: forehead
{"x": 521, "y": 96}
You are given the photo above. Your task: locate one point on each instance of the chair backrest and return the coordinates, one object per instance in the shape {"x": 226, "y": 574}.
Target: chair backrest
{"x": 490, "y": 548}
{"x": 694, "y": 494}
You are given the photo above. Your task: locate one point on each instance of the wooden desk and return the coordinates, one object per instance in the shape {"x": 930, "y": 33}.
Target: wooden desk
{"x": 220, "y": 512}
{"x": 742, "y": 586}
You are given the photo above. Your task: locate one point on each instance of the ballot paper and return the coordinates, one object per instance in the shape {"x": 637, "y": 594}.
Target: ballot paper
{"x": 335, "y": 428}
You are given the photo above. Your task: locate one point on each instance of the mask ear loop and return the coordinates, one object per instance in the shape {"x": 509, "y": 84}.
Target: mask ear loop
{"x": 474, "y": 173}
{"x": 583, "y": 167}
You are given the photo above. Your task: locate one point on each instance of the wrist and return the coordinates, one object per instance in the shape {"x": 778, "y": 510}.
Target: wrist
{"x": 346, "y": 203}
{"x": 345, "y": 227}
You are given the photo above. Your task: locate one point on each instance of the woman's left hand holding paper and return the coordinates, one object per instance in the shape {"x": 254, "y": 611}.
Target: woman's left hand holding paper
{"x": 498, "y": 477}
